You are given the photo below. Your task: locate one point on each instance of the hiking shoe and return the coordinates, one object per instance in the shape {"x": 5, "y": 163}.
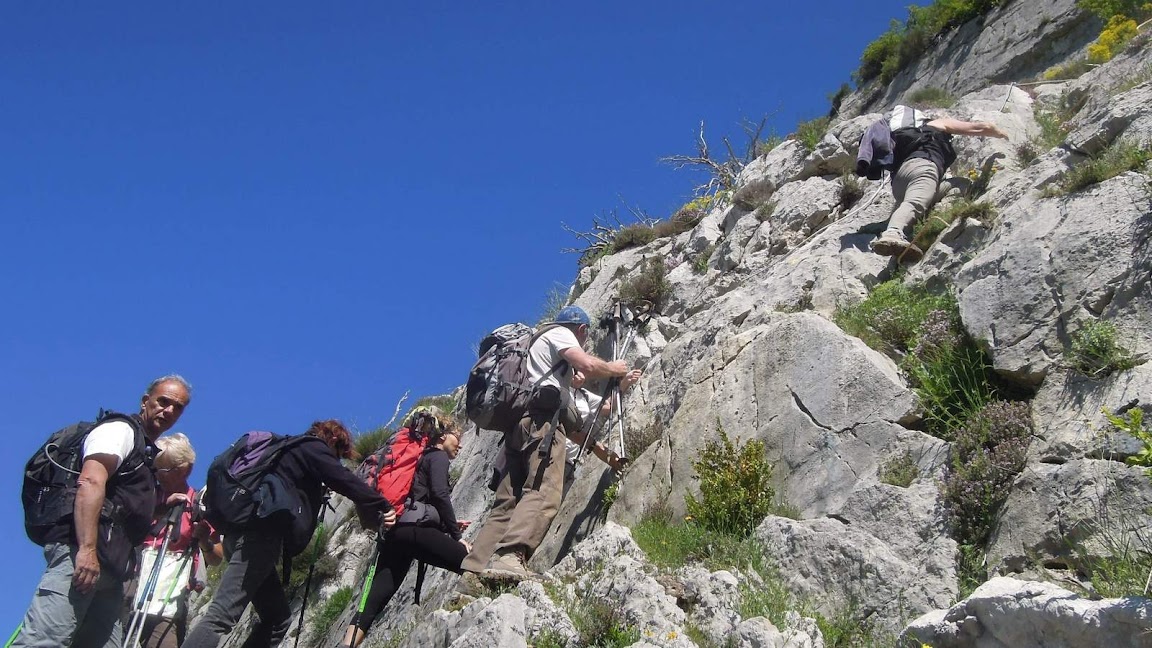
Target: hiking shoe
{"x": 507, "y": 567}
{"x": 470, "y": 585}
{"x": 893, "y": 243}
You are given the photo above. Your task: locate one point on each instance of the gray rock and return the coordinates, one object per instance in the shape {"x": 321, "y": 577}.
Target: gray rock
{"x": 712, "y": 598}
{"x": 764, "y": 175}
{"x": 1102, "y": 122}
{"x": 1008, "y": 613}
{"x": 1072, "y": 425}
{"x": 1056, "y": 515}
{"x": 1050, "y": 263}
{"x": 801, "y": 207}
{"x": 1017, "y": 41}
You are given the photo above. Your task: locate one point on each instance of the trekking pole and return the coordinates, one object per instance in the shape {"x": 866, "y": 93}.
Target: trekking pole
{"x": 145, "y": 596}
{"x": 312, "y": 566}
{"x": 367, "y": 587}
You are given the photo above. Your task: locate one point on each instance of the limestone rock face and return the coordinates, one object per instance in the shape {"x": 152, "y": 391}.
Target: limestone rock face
{"x": 1008, "y": 613}
{"x": 1053, "y": 263}
{"x": 1017, "y": 41}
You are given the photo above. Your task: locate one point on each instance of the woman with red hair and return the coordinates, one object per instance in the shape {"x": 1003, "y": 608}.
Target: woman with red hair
{"x": 309, "y": 464}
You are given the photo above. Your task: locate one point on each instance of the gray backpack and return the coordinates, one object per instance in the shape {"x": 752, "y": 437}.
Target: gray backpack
{"x": 498, "y": 391}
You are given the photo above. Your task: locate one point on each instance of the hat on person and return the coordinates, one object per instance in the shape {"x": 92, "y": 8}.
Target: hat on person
{"x": 571, "y": 315}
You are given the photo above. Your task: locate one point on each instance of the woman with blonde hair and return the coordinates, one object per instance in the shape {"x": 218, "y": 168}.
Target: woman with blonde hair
{"x": 193, "y": 543}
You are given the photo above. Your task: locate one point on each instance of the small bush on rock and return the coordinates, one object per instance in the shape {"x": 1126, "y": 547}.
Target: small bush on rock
{"x": 889, "y": 318}
{"x": 851, "y": 191}
{"x": 649, "y": 286}
{"x": 370, "y": 442}
{"x": 931, "y": 98}
{"x": 811, "y": 132}
{"x": 925, "y": 232}
{"x": 1095, "y": 352}
{"x": 900, "y": 470}
{"x": 736, "y": 491}
{"x": 1121, "y": 156}
{"x": 1132, "y": 424}
{"x": 700, "y": 262}
{"x": 1116, "y": 34}
{"x": 331, "y": 611}
{"x": 949, "y": 373}
{"x": 987, "y": 455}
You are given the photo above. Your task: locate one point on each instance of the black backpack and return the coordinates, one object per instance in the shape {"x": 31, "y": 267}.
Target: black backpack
{"x": 498, "y": 391}
{"x": 245, "y": 493}
{"x": 50, "y": 476}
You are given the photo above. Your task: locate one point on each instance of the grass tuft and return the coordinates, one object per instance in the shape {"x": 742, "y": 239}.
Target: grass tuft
{"x": 926, "y": 231}
{"x": 1121, "y": 156}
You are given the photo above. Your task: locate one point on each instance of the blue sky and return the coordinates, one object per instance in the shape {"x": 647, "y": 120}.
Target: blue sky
{"x": 309, "y": 208}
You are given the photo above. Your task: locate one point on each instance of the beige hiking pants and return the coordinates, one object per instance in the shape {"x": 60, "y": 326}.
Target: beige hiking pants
{"x": 914, "y": 187}
{"x": 528, "y": 496}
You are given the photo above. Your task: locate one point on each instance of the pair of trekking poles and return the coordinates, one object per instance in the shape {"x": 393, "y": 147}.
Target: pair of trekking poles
{"x": 618, "y": 319}
{"x": 147, "y": 596}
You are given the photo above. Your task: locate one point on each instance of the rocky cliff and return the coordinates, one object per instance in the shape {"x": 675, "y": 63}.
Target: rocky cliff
{"x": 747, "y": 341}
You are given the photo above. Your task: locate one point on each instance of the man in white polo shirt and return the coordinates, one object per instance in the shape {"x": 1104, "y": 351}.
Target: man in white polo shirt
{"x": 90, "y": 553}
{"x": 530, "y": 492}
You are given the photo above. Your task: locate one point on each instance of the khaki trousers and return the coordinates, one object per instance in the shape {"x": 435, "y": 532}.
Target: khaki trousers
{"x": 914, "y": 188}
{"x": 528, "y": 496}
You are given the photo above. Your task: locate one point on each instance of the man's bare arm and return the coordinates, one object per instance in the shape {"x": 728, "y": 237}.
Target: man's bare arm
{"x": 959, "y": 127}
{"x": 90, "y": 493}
{"x": 591, "y": 366}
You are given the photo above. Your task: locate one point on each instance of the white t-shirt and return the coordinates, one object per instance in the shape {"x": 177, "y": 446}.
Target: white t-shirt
{"x": 545, "y": 353}
{"x": 113, "y": 438}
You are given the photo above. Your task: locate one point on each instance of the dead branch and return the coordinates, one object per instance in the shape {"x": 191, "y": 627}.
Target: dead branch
{"x": 397, "y": 412}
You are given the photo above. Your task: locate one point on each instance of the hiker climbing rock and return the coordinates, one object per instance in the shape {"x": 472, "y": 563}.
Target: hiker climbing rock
{"x": 427, "y": 530}
{"x": 296, "y": 469}
{"x": 89, "y": 496}
{"x": 917, "y": 151}
{"x": 175, "y": 555}
{"x": 529, "y": 494}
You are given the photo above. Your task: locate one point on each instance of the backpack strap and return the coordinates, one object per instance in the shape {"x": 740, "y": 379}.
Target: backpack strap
{"x": 421, "y": 569}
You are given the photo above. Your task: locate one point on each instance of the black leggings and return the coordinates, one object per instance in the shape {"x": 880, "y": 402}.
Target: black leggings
{"x": 400, "y": 547}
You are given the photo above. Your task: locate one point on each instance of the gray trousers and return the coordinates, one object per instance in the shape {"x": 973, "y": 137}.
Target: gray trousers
{"x": 250, "y": 577}
{"x": 60, "y": 616}
{"x": 914, "y": 187}
{"x": 528, "y": 496}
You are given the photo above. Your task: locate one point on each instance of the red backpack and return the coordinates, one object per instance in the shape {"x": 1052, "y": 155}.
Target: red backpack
{"x": 391, "y": 469}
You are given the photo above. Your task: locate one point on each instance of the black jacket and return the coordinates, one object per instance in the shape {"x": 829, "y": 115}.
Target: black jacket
{"x": 310, "y": 465}
{"x": 430, "y": 485}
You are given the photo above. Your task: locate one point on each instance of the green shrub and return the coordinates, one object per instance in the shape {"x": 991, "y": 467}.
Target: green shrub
{"x": 987, "y": 455}
{"x": 851, "y": 191}
{"x": 1070, "y": 70}
{"x": 970, "y": 568}
{"x": 736, "y": 491}
{"x": 700, "y": 262}
{"x": 316, "y": 553}
{"x": 765, "y": 146}
{"x": 900, "y": 470}
{"x": 370, "y": 442}
{"x": 931, "y": 98}
{"x": 765, "y": 210}
{"x": 837, "y": 98}
{"x": 672, "y": 544}
{"x": 906, "y": 41}
{"x": 925, "y": 232}
{"x": 548, "y": 639}
{"x": 1119, "y": 566}
{"x": 637, "y": 441}
{"x": 554, "y": 301}
{"x": 609, "y": 498}
{"x": 1026, "y": 153}
{"x": 1111, "y": 162}
{"x": 811, "y": 132}
{"x": 649, "y": 286}
{"x": 1133, "y": 425}
{"x": 952, "y": 383}
{"x": 1053, "y": 129}
{"x": 889, "y": 318}
{"x": 601, "y": 625}
{"x": 633, "y": 235}
{"x": 1095, "y": 352}
{"x": 331, "y": 611}
{"x": 1108, "y": 9}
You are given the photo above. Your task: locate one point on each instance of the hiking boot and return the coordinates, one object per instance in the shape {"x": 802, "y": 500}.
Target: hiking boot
{"x": 507, "y": 567}
{"x": 893, "y": 243}
{"x": 470, "y": 585}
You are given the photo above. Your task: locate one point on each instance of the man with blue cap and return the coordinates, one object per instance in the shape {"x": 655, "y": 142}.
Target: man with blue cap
{"x": 529, "y": 494}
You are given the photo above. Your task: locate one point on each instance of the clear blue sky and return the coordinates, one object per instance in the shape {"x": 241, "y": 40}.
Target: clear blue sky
{"x": 308, "y": 208}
